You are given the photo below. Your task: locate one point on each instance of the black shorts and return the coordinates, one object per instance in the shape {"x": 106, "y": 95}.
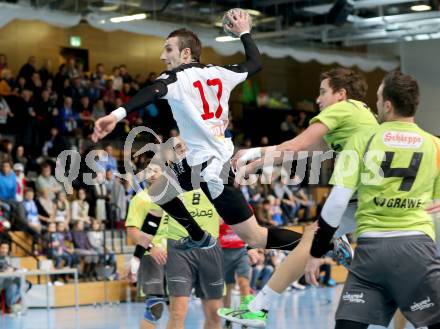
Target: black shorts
{"x": 227, "y": 199}
{"x": 390, "y": 273}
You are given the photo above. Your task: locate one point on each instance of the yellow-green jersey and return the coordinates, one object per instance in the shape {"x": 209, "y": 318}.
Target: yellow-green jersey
{"x": 201, "y": 209}
{"x": 344, "y": 119}
{"x": 395, "y": 168}
{"x": 140, "y": 205}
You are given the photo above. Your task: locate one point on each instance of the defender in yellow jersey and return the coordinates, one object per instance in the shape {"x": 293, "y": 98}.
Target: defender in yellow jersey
{"x": 342, "y": 114}
{"x": 201, "y": 269}
{"x": 395, "y": 169}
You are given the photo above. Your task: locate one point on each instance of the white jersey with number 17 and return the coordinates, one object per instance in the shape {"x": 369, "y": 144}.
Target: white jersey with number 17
{"x": 198, "y": 96}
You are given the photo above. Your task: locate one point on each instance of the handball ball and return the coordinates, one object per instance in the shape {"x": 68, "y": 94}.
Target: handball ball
{"x": 226, "y": 21}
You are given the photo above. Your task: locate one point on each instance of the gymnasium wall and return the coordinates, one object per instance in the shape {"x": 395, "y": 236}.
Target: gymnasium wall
{"x": 19, "y": 39}
{"x": 420, "y": 59}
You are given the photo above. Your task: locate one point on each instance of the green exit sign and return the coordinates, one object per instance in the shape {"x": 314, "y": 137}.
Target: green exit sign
{"x": 75, "y": 41}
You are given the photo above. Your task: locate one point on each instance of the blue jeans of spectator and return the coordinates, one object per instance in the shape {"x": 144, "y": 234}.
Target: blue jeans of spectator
{"x": 12, "y": 289}
{"x": 260, "y": 276}
{"x": 290, "y": 212}
{"x": 66, "y": 257}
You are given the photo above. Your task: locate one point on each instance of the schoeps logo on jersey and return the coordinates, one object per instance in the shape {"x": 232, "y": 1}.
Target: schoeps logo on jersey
{"x": 402, "y": 139}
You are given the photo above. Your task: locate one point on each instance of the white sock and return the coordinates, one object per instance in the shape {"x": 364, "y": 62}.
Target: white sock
{"x": 264, "y": 299}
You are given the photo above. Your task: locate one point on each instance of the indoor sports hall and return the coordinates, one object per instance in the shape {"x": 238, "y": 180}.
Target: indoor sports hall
{"x": 219, "y": 164}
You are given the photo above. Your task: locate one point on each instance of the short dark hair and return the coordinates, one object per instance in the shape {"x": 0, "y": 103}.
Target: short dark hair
{"x": 188, "y": 39}
{"x": 353, "y": 82}
{"x": 402, "y": 90}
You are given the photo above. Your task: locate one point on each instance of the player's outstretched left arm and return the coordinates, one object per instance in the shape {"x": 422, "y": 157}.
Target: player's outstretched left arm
{"x": 143, "y": 97}
{"x": 240, "y": 25}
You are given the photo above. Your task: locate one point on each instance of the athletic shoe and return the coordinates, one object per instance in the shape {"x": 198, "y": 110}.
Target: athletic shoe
{"x": 298, "y": 286}
{"x": 243, "y": 316}
{"x": 342, "y": 251}
{"x": 188, "y": 244}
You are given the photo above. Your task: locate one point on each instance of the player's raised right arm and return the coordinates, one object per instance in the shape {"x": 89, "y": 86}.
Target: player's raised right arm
{"x": 240, "y": 25}
{"x": 143, "y": 97}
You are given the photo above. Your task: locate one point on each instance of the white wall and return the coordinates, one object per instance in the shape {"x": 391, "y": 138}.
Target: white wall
{"x": 421, "y": 59}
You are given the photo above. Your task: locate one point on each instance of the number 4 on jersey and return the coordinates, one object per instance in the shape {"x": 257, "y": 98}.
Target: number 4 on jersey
{"x": 206, "y": 111}
{"x": 408, "y": 174}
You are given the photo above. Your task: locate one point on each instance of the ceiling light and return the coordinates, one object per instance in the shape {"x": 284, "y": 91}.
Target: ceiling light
{"x": 226, "y": 38}
{"x": 109, "y": 8}
{"x": 253, "y": 12}
{"x": 422, "y": 37}
{"x": 421, "y": 8}
{"x": 128, "y": 18}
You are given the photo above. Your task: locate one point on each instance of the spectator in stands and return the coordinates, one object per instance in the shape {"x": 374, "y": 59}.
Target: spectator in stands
{"x": 289, "y": 203}
{"x": 72, "y": 68}
{"x": 76, "y": 91}
{"x": 28, "y": 69}
{"x": 150, "y": 80}
{"x": 264, "y": 214}
{"x": 46, "y": 207}
{"x": 111, "y": 163}
{"x": 126, "y": 78}
{"x": 126, "y": 93}
{"x": 8, "y": 182}
{"x": 32, "y": 216}
{"x": 117, "y": 209}
{"x": 55, "y": 144}
{"x": 98, "y": 110}
{"x": 275, "y": 210}
{"x": 6, "y": 147}
{"x": 288, "y": 128}
{"x": 6, "y": 82}
{"x": 109, "y": 94}
{"x": 85, "y": 114}
{"x": 263, "y": 270}
{"x": 54, "y": 250}
{"x": 60, "y": 78}
{"x": 96, "y": 238}
{"x": 302, "y": 121}
{"x": 44, "y": 109}
{"x": 20, "y": 157}
{"x": 98, "y": 196}
{"x": 117, "y": 79}
{"x": 21, "y": 181}
{"x": 95, "y": 90}
{"x": 302, "y": 199}
{"x": 69, "y": 116}
{"x": 19, "y": 86}
{"x": 46, "y": 181}
{"x": 84, "y": 250}
{"x": 99, "y": 74}
{"x": 46, "y": 71}
{"x": 62, "y": 208}
{"x": 10, "y": 284}
{"x": 264, "y": 141}
{"x": 80, "y": 209}
{"x": 35, "y": 84}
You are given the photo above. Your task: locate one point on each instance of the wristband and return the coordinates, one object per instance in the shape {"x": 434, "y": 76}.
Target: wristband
{"x": 134, "y": 265}
{"x": 120, "y": 113}
{"x": 322, "y": 239}
{"x": 251, "y": 154}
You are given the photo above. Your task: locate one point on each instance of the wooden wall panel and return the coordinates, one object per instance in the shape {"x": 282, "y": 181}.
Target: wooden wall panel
{"x": 19, "y": 39}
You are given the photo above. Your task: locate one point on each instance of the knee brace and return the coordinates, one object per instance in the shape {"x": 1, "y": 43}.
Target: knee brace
{"x": 154, "y": 306}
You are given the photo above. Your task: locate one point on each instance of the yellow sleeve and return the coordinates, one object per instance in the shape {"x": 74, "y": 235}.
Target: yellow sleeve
{"x": 333, "y": 116}
{"x": 137, "y": 211}
{"x": 348, "y": 165}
